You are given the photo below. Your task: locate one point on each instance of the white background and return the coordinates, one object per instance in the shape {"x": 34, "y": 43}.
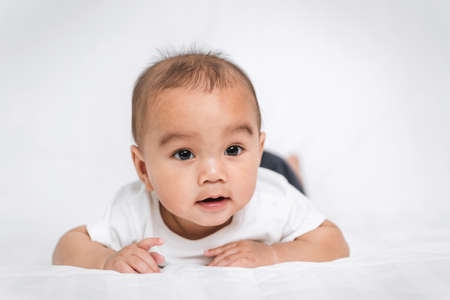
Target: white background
{"x": 359, "y": 89}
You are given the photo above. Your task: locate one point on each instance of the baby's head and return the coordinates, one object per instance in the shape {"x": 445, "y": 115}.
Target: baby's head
{"x": 197, "y": 127}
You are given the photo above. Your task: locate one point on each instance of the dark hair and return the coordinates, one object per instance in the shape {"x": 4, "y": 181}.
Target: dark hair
{"x": 193, "y": 69}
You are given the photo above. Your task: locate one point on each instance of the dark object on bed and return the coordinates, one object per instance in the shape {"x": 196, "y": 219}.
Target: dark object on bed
{"x": 276, "y": 163}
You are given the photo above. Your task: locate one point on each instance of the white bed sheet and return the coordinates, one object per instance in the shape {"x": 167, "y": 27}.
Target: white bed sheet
{"x": 402, "y": 266}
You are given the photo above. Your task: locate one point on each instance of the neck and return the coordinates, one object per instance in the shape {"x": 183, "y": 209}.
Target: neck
{"x": 187, "y": 229}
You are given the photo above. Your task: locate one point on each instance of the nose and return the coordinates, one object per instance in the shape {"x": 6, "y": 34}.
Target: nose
{"x": 211, "y": 171}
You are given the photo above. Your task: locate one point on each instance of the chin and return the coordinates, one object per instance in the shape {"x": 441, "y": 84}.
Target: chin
{"x": 214, "y": 221}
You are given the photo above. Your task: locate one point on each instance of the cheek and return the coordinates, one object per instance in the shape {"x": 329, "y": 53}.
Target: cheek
{"x": 244, "y": 180}
{"x": 172, "y": 187}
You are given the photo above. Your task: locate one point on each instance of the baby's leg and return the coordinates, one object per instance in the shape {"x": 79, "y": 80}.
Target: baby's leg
{"x": 294, "y": 162}
{"x": 289, "y": 168}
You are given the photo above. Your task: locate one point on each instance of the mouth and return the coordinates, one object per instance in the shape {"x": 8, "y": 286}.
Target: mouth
{"x": 213, "y": 202}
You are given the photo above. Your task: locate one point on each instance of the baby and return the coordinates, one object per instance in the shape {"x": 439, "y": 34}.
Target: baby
{"x": 202, "y": 197}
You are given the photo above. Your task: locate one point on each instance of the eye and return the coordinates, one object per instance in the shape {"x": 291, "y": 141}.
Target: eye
{"x": 234, "y": 150}
{"x": 183, "y": 154}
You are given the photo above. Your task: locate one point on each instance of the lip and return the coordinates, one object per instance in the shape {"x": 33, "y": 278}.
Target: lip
{"x": 216, "y": 195}
{"x": 214, "y": 205}
{"x": 213, "y": 196}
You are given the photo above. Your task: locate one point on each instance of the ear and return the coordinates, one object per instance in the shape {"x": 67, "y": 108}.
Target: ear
{"x": 141, "y": 169}
{"x": 262, "y": 139}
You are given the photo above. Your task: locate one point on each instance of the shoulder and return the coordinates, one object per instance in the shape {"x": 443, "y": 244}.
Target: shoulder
{"x": 123, "y": 219}
{"x": 130, "y": 194}
{"x": 286, "y": 206}
{"x": 271, "y": 192}
{"x": 271, "y": 182}
{"x": 131, "y": 202}
{"x": 130, "y": 189}
{"x": 274, "y": 190}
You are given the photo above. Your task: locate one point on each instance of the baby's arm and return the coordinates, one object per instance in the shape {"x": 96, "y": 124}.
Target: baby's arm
{"x": 324, "y": 243}
{"x": 76, "y": 248}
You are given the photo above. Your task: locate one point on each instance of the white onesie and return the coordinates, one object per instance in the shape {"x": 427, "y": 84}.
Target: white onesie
{"x": 277, "y": 212}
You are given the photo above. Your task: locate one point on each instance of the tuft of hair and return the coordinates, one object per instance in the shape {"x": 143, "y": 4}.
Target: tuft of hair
{"x": 192, "y": 69}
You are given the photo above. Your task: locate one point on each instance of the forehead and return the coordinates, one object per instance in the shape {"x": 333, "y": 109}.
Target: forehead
{"x": 183, "y": 110}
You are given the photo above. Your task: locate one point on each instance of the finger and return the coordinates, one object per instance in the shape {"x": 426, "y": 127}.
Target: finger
{"x": 148, "y": 259}
{"x": 147, "y": 243}
{"x": 227, "y": 261}
{"x": 139, "y": 265}
{"x": 218, "y": 250}
{"x": 123, "y": 267}
{"x": 223, "y": 255}
{"x": 159, "y": 259}
{"x": 238, "y": 262}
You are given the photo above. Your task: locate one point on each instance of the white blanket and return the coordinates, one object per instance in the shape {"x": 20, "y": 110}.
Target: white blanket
{"x": 397, "y": 266}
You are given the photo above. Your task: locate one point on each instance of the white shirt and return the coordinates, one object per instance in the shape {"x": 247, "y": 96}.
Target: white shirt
{"x": 277, "y": 212}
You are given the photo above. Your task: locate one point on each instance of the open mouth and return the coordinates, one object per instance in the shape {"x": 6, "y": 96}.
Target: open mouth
{"x": 212, "y": 200}
{"x": 214, "y": 203}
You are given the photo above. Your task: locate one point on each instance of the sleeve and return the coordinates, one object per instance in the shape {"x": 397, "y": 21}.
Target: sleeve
{"x": 303, "y": 216}
{"x": 115, "y": 229}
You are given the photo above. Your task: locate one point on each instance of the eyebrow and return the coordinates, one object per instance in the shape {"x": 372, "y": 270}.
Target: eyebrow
{"x": 167, "y": 138}
{"x": 243, "y": 127}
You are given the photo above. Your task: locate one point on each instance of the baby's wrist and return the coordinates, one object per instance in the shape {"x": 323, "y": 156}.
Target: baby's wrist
{"x": 275, "y": 258}
{"x": 106, "y": 259}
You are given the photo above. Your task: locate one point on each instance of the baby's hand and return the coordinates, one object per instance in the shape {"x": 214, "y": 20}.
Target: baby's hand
{"x": 135, "y": 258}
{"x": 245, "y": 253}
